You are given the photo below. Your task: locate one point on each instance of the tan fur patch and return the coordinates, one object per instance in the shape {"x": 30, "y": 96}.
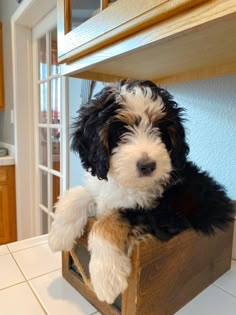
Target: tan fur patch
{"x": 154, "y": 116}
{"x": 130, "y": 118}
{"x": 127, "y": 117}
{"x": 114, "y": 230}
{"x": 119, "y": 233}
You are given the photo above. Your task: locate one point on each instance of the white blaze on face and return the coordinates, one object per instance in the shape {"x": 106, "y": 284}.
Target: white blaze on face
{"x": 138, "y": 144}
{"x": 141, "y": 141}
{"x": 139, "y": 101}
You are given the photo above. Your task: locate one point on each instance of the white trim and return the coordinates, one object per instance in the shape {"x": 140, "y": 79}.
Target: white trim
{"x": 24, "y": 138}
{"x": 10, "y": 147}
{"x": 29, "y": 13}
{"x": 47, "y": 24}
{"x": 36, "y": 118}
{"x": 65, "y": 133}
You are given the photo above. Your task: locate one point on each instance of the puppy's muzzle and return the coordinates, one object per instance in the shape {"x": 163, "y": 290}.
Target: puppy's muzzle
{"x": 146, "y": 167}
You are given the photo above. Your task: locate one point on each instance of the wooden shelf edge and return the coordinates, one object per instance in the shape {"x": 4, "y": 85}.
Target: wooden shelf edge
{"x": 126, "y": 58}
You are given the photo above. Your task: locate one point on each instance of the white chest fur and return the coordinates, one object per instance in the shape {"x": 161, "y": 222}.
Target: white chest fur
{"x": 110, "y": 195}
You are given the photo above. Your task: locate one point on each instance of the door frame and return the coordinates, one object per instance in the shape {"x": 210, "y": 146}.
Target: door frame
{"x": 29, "y": 14}
{"x": 45, "y": 26}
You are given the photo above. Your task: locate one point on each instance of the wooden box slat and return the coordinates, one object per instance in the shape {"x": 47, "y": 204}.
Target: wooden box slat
{"x": 165, "y": 275}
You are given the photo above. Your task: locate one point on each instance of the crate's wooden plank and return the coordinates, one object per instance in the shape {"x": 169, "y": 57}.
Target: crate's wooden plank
{"x": 165, "y": 275}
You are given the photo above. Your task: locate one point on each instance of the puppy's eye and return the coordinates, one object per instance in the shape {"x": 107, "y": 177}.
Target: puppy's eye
{"x": 116, "y": 130}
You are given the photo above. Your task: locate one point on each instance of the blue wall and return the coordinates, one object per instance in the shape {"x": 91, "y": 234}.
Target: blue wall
{"x": 211, "y": 129}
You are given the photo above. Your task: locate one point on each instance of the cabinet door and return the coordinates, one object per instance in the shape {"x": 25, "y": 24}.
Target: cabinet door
{"x": 7, "y": 205}
{"x": 86, "y": 26}
{"x": 1, "y": 71}
{"x": 4, "y": 217}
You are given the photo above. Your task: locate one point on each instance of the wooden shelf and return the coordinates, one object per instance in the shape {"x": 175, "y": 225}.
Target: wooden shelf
{"x": 195, "y": 44}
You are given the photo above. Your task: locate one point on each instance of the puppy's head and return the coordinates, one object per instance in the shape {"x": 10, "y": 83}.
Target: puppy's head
{"x": 132, "y": 131}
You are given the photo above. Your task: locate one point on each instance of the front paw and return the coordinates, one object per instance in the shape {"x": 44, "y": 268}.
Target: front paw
{"x": 61, "y": 237}
{"x": 109, "y": 271}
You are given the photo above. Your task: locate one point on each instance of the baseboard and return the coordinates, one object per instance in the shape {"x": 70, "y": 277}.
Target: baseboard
{"x": 10, "y": 147}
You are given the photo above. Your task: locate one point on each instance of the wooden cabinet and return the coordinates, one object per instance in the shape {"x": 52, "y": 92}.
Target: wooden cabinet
{"x": 164, "y": 41}
{"x": 1, "y": 71}
{"x": 108, "y": 24}
{"x": 7, "y": 204}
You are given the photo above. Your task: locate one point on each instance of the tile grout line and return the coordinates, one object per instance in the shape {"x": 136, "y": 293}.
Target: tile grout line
{"x": 44, "y": 274}
{"x": 5, "y": 254}
{"x": 20, "y": 250}
{"x": 38, "y": 299}
{"x": 219, "y": 287}
{"x": 44, "y": 310}
{"x": 12, "y": 285}
{"x": 18, "y": 267}
{"x": 41, "y": 303}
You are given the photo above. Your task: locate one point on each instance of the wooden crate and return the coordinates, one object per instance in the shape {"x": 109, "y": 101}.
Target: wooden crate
{"x": 165, "y": 276}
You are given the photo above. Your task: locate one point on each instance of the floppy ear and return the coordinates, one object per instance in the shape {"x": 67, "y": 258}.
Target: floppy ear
{"x": 172, "y": 125}
{"x": 89, "y": 135}
{"x": 179, "y": 147}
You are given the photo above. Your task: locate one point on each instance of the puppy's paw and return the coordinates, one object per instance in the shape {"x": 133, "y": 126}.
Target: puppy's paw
{"x": 71, "y": 216}
{"x": 109, "y": 271}
{"x": 61, "y": 237}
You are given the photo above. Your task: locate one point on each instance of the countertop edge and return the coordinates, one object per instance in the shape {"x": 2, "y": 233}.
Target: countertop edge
{"x": 7, "y": 160}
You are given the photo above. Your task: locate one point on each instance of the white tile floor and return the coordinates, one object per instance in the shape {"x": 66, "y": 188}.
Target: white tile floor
{"x": 31, "y": 284}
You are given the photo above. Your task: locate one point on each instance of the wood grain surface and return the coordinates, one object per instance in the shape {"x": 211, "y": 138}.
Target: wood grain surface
{"x": 165, "y": 275}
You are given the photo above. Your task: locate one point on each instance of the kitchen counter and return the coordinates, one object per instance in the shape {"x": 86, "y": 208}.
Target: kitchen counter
{"x": 7, "y": 160}
{"x": 31, "y": 284}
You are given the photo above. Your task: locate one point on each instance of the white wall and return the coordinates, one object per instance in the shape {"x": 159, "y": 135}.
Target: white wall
{"x": 7, "y": 8}
{"x": 211, "y": 129}
{"x": 76, "y": 172}
{"x": 211, "y": 125}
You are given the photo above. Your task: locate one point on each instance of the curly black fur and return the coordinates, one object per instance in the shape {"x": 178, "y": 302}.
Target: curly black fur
{"x": 197, "y": 201}
{"x": 87, "y": 137}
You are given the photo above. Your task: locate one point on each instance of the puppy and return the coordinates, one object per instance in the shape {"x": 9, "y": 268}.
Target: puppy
{"x": 131, "y": 140}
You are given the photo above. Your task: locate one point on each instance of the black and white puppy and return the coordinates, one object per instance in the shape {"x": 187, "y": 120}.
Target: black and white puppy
{"x": 131, "y": 140}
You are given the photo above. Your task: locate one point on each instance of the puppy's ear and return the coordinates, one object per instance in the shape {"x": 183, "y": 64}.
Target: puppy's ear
{"x": 173, "y": 130}
{"x": 89, "y": 137}
{"x": 179, "y": 148}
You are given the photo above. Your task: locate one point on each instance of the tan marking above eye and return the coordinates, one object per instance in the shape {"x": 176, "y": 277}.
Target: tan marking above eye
{"x": 128, "y": 118}
{"x": 154, "y": 116}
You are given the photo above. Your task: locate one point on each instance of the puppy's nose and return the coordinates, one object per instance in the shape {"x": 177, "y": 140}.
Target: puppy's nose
{"x": 146, "y": 166}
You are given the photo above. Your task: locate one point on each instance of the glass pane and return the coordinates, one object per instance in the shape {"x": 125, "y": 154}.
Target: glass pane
{"x": 43, "y": 95}
{"x": 83, "y": 10}
{"x": 55, "y": 137}
{"x": 55, "y": 101}
{"x": 55, "y": 68}
{"x": 44, "y": 222}
{"x": 55, "y": 190}
{"x": 43, "y": 71}
{"x": 43, "y": 151}
{"x": 43, "y": 188}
